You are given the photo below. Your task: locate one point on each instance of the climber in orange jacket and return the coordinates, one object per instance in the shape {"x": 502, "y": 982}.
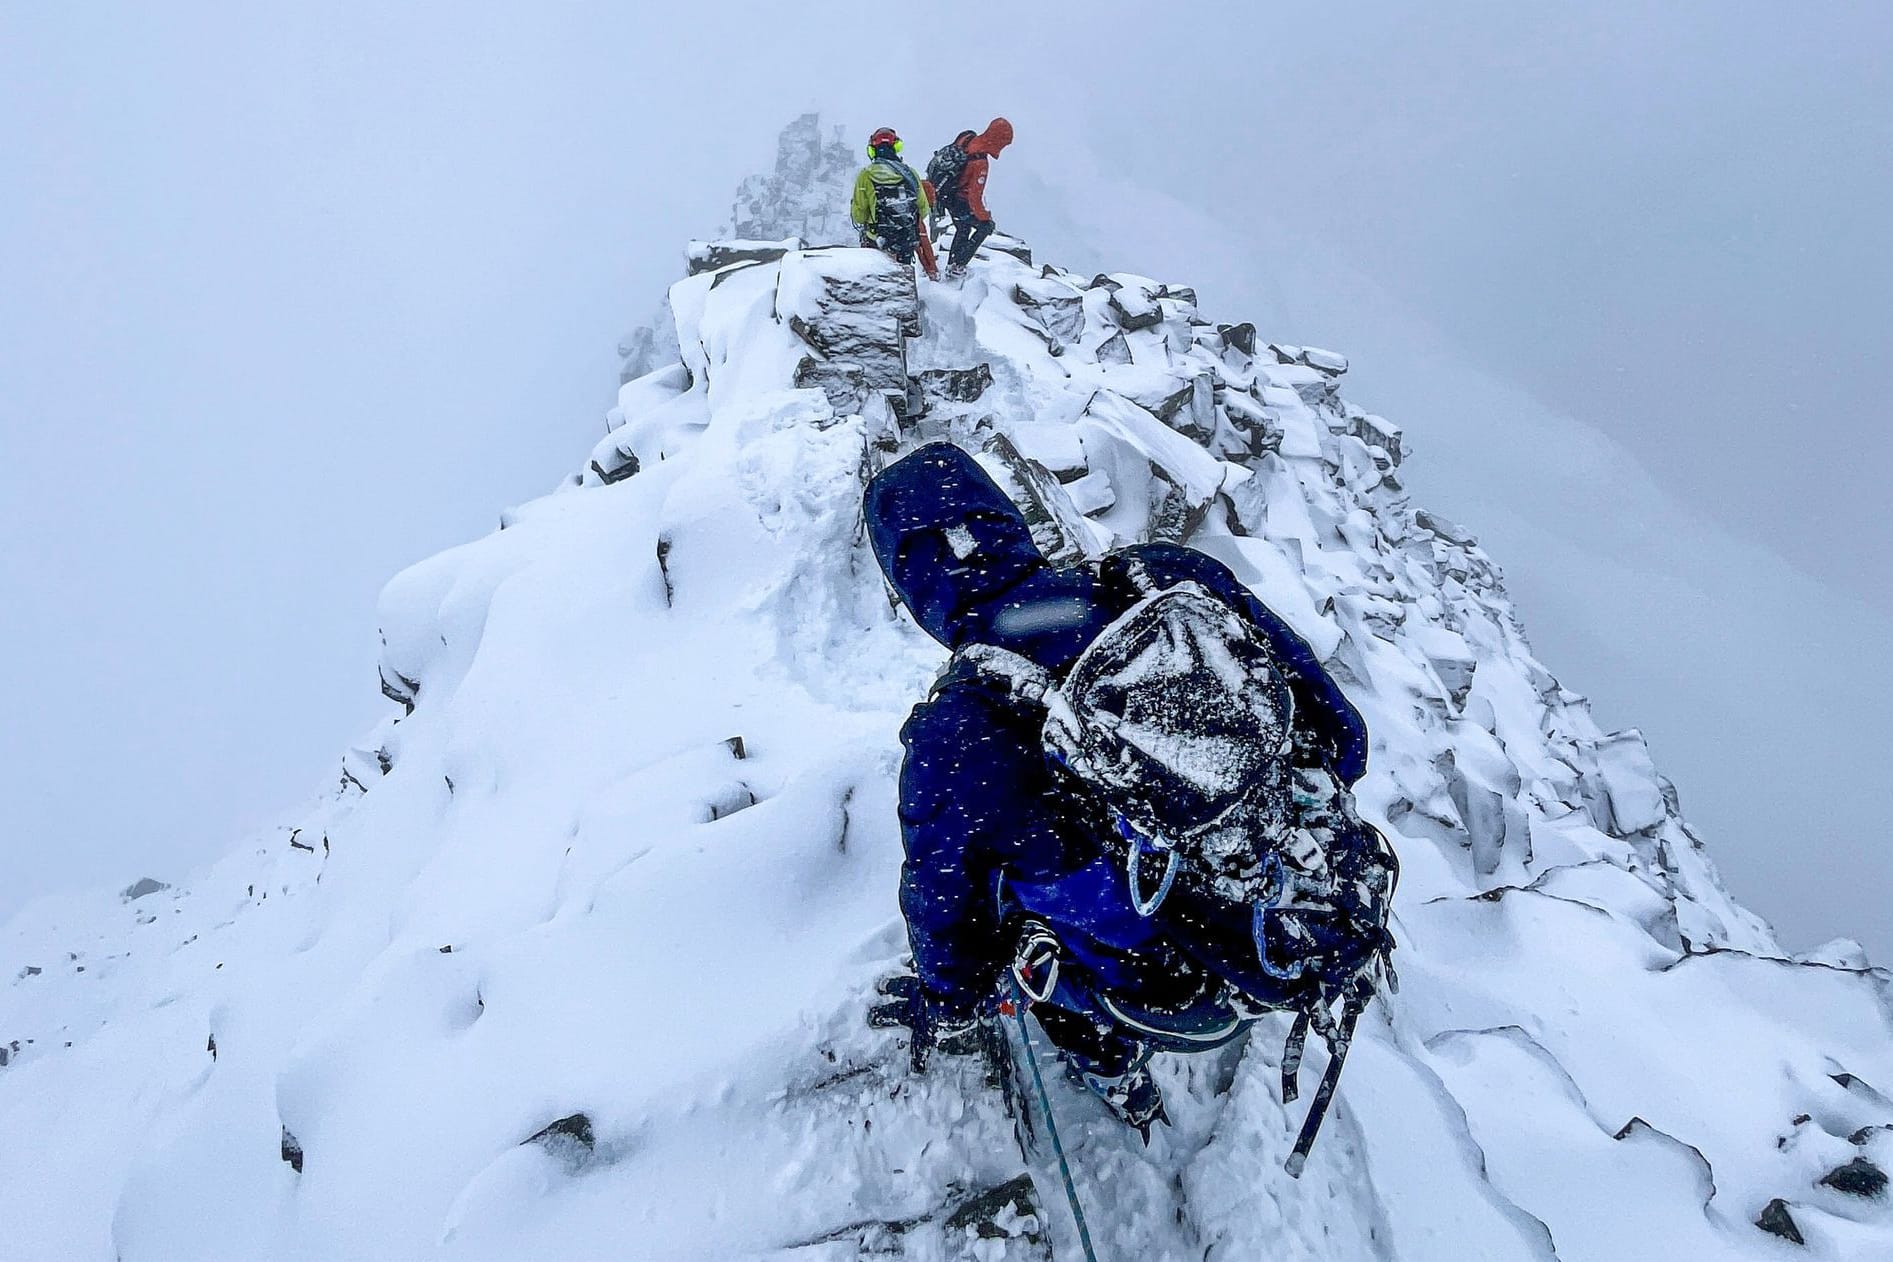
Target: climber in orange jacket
{"x": 958, "y": 172}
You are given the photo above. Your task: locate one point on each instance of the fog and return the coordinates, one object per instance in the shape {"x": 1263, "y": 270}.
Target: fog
{"x": 294, "y": 299}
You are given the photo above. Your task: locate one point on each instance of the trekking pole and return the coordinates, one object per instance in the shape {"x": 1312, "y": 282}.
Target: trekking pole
{"x": 1051, "y": 1126}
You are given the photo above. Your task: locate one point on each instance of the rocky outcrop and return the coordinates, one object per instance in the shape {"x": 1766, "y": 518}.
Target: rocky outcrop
{"x": 806, "y": 195}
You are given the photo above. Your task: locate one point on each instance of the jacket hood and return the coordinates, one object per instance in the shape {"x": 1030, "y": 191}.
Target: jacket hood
{"x": 961, "y": 557}
{"x": 997, "y": 136}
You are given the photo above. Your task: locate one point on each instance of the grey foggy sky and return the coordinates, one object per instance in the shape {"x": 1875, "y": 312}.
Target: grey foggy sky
{"x": 294, "y": 299}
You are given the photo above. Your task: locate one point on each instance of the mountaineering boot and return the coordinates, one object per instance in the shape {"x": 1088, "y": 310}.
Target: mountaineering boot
{"x": 956, "y": 271}
{"x": 1133, "y": 1096}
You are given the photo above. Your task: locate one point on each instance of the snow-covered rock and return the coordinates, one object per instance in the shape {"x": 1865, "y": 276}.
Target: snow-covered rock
{"x": 806, "y": 196}
{"x": 574, "y": 962}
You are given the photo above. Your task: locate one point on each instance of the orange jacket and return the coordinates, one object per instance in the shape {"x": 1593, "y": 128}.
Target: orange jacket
{"x": 979, "y": 149}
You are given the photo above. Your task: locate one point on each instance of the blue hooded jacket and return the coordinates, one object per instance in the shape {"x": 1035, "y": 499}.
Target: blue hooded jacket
{"x": 978, "y": 801}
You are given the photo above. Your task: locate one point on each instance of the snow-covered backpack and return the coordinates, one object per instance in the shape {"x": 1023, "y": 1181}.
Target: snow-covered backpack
{"x": 1178, "y": 723}
{"x": 944, "y": 169}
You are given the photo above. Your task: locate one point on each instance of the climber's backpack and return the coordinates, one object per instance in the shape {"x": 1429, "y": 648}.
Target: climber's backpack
{"x": 1178, "y": 722}
{"x": 897, "y": 209}
{"x": 944, "y": 168}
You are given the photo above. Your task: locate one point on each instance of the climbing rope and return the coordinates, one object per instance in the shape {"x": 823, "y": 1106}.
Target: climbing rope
{"x": 1051, "y": 1127}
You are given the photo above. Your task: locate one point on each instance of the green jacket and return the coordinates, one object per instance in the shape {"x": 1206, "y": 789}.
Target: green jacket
{"x": 885, "y": 173}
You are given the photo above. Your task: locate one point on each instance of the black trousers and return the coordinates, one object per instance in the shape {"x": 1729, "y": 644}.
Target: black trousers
{"x": 968, "y": 235}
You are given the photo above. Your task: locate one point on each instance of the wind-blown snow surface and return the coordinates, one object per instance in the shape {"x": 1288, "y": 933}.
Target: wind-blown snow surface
{"x": 560, "y": 894}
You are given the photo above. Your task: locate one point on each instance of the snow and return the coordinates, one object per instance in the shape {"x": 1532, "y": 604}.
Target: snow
{"x": 574, "y": 890}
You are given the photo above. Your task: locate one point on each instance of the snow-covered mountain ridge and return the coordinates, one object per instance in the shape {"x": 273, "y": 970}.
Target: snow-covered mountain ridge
{"x": 574, "y": 962}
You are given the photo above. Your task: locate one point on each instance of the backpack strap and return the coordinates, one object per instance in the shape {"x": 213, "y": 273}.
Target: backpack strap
{"x": 1137, "y": 572}
{"x": 1025, "y": 682}
{"x": 1022, "y": 678}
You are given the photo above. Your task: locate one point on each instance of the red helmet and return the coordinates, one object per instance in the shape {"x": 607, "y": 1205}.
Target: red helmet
{"x": 885, "y": 136}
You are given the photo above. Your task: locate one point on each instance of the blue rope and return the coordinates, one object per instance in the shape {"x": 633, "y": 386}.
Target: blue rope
{"x": 1051, "y": 1127}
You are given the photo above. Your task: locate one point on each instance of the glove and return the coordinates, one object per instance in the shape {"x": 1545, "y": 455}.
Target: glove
{"x": 933, "y": 1024}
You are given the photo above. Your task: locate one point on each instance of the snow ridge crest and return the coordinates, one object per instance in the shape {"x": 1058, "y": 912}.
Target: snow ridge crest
{"x": 575, "y": 959}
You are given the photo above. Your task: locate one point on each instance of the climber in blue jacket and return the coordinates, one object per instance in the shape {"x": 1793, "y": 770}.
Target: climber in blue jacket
{"x": 1012, "y": 864}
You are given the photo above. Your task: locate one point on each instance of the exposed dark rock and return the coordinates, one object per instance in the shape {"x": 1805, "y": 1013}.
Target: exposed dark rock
{"x": 1135, "y": 308}
{"x": 1238, "y": 336}
{"x": 1001, "y": 244}
{"x": 737, "y": 798}
{"x": 1009, "y": 1211}
{"x": 1181, "y": 293}
{"x": 1854, "y": 1082}
{"x": 1377, "y": 432}
{"x": 210, "y": 1045}
{"x": 737, "y": 749}
{"x": 1038, "y": 494}
{"x": 1858, "y": 1177}
{"x": 1456, "y": 671}
{"x": 961, "y": 385}
{"x": 292, "y": 1151}
{"x": 844, "y": 384}
{"x": 31, "y": 970}
{"x": 1858, "y": 1139}
{"x": 863, "y": 318}
{"x": 710, "y": 256}
{"x": 1777, "y": 1221}
{"x": 1114, "y": 350}
{"x": 570, "y": 1140}
{"x": 403, "y": 691}
{"x": 1249, "y": 417}
{"x": 622, "y": 465}
{"x": 1331, "y": 362}
{"x": 1101, "y": 281}
{"x": 1191, "y": 411}
{"x": 1444, "y": 528}
{"x": 663, "y": 569}
{"x": 141, "y": 887}
{"x": 1058, "y": 311}
{"x": 574, "y": 1128}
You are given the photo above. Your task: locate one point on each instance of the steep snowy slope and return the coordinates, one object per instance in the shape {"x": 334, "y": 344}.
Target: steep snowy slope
{"x": 574, "y": 962}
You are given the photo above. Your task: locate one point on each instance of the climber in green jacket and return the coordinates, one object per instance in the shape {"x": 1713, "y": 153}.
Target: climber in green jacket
{"x": 891, "y": 204}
